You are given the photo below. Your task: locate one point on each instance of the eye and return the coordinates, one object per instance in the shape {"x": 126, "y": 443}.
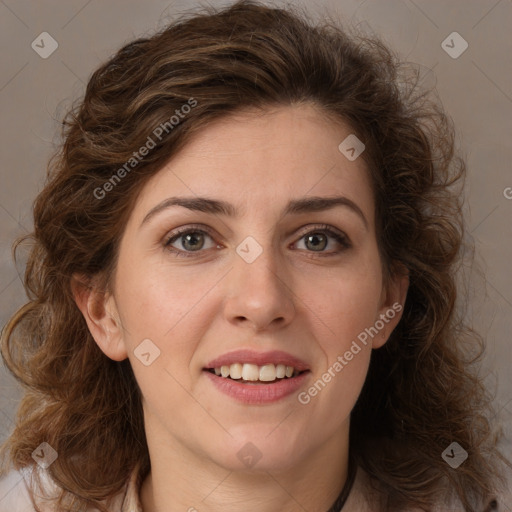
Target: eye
{"x": 318, "y": 239}
{"x": 191, "y": 240}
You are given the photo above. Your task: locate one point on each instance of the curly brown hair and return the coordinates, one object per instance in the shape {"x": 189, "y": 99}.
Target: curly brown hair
{"x": 422, "y": 390}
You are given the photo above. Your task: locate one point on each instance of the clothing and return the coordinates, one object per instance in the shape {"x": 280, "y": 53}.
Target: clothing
{"x": 14, "y": 496}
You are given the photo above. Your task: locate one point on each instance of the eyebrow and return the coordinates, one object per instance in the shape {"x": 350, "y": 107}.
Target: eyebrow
{"x": 217, "y": 207}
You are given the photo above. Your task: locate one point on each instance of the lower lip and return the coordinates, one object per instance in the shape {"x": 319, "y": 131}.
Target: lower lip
{"x": 258, "y": 393}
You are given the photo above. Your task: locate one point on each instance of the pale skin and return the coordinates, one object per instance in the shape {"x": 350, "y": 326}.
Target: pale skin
{"x": 293, "y": 297}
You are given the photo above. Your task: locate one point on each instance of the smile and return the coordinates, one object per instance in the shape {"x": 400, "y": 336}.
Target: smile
{"x": 247, "y": 372}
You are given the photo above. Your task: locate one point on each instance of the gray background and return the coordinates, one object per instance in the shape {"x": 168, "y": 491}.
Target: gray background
{"x": 475, "y": 88}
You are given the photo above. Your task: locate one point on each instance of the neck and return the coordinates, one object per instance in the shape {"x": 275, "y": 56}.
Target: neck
{"x": 180, "y": 480}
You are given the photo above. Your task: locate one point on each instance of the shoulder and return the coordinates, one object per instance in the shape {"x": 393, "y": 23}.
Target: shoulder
{"x": 16, "y": 497}
{"x": 365, "y": 498}
{"x": 504, "y": 498}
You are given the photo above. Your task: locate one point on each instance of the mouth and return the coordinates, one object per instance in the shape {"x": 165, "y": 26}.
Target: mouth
{"x": 257, "y": 378}
{"x": 257, "y": 385}
{"x": 248, "y": 373}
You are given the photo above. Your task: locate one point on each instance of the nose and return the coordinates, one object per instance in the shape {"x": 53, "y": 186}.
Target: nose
{"x": 259, "y": 293}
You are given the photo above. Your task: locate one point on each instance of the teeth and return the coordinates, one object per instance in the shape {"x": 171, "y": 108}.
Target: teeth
{"x": 253, "y": 372}
{"x": 250, "y": 372}
{"x": 235, "y": 371}
{"x": 267, "y": 373}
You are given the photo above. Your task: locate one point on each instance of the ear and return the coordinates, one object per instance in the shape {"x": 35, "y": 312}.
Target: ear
{"x": 394, "y": 293}
{"x": 100, "y": 312}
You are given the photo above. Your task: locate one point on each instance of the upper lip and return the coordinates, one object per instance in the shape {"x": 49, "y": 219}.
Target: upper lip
{"x": 258, "y": 358}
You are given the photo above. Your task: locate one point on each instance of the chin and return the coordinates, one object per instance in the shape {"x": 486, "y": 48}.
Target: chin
{"x": 261, "y": 450}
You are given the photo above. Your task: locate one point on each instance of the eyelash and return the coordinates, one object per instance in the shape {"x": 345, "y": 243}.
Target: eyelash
{"x": 339, "y": 237}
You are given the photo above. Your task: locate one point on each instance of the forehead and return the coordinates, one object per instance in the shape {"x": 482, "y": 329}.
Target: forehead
{"x": 254, "y": 159}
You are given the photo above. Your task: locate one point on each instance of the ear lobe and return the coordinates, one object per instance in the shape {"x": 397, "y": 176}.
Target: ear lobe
{"x": 390, "y": 313}
{"x": 100, "y": 313}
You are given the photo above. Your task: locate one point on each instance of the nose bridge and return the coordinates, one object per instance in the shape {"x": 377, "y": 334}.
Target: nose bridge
{"x": 257, "y": 266}
{"x": 258, "y": 289}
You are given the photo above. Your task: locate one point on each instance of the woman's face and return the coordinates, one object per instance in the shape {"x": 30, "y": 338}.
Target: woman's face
{"x": 263, "y": 276}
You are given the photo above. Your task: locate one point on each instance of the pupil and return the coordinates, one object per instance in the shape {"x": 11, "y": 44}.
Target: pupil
{"x": 316, "y": 236}
{"x": 188, "y": 238}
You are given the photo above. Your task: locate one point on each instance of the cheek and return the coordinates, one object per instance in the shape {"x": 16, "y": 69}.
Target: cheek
{"x": 159, "y": 319}
{"x": 154, "y": 299}
{"x": 346, "y": 309}
{"x": 347, "y": 302}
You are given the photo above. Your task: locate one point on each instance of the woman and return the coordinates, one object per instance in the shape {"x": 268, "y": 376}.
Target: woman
{"x": 184, "y": 348}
